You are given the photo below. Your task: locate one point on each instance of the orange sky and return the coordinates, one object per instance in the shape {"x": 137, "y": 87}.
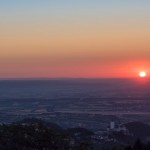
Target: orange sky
{"x": 75, "y": 39}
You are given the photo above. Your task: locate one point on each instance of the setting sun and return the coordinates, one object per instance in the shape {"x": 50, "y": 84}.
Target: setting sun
{"x": 142, "y": 74}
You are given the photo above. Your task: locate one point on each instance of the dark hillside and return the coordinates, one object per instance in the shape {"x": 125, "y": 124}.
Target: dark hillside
{"x": 139, "y": 129}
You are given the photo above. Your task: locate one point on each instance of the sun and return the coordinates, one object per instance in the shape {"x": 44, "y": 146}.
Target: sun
{"x": 142, "y": 74}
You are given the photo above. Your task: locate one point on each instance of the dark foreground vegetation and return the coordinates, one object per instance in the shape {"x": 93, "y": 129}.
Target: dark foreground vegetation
{"x": 138, "y": 145}
{"x": 34, "y": 134}
{"x": 38, "y": 135}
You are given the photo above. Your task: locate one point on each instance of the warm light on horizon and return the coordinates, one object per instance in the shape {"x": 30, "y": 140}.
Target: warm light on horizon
{"x": 74, "y": 38}
{"x": 142, "y": 74}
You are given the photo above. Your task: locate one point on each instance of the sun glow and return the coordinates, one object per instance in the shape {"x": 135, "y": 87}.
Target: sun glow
{"x": 142, "y": 74}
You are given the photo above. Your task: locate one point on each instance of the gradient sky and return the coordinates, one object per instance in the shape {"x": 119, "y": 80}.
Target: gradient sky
{"x": 74, "y": 38}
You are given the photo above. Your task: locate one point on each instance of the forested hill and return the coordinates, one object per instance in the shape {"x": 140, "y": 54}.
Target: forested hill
{"x": 35, "y": 134}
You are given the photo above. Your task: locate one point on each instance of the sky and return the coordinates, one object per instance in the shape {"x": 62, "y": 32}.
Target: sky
{"x": 74, "y": 38}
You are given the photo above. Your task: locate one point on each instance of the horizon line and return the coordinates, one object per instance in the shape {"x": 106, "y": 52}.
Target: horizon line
{"x": 63, "y": 78}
